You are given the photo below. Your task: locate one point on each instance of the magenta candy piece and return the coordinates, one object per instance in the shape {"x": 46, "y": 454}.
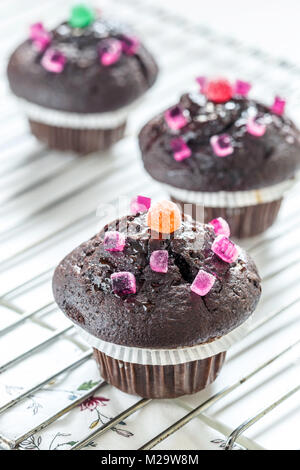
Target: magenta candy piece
{"x": 53, "y": 61}
{"x": 123, "y": 283}
{"x": 175, "y": 118}
{"x": 42, "y": 42}
{"x": 110, "y": 51}
{"x": 40, "y": 37}
{"x": 256, "y": 128}
{"x": 140, "y": 204}
{"x": 181, "y": 150}
{"x": 220, "y": 226}
{"x": 114, "y": 241}
{"x": 202, "y": 283}
{"x": 159, "y": 261}
{"x": 225, "y": 249}
{"x": 242, "y": 88}
{"x": 202, "y": 82}
{"x": 35, "y": 30}
{"x": 221, "y": 145}
{"x": 278, "y": 106}
{"x": 130, "y": 45}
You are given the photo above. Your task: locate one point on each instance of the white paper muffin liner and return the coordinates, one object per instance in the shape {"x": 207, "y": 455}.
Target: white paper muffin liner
{"x": 52, "y": 117}
{"x": 164, "y": 357}
{"x": 231, "y": 198}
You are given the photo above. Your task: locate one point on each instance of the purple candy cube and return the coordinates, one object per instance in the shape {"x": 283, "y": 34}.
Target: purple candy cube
{"x": 242, "y": 88}
{"x": 221, "y": 145}
{"x": 130, "y": 45}
{"x": 114, "y": 241}
{"x": 225, "y": 249}
{"x": 159, "y": 261}
{"x": 220, "y": 226}
{"x": 175, "y": 118}
{"x": 53, "y": 61}
{"x": 110, "y": 51}
{"x": 181, "y": 150}
{"x": 278, "y": 106}
{"x": 203, "y": 283}
{"x": 123, "y": 283}
{"x": 140, "y": 204}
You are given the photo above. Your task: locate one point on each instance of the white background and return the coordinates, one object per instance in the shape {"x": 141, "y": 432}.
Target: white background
{"x": 272, "y": 25}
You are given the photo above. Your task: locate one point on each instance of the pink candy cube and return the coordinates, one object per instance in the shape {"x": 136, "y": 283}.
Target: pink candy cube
{"x": 181, "y": 150}
{"x": 242, "y": 88}
{"x": 221, "y": 145}
{"x": 202, "y": 82}
{"x": 123, "y": 283}
{"x": 220, "y": 226}
{"x": 175, "y": 118}
{"x": 110, "y": 51}
{"x": 114, "y": 241}
{"x": 255, "y": 127}
{"x": 130, "y": 45}
{"x": 159, "y": 261}
{"x": 53, "y": 61}
{"x": 140, "y": 204}
{"x": 202, "y": 283}
{"x": 40, "y": 37}
{"x": 35, "y": 30}
{"x": 225, "y": 249}
{"x": 278, "y": 106}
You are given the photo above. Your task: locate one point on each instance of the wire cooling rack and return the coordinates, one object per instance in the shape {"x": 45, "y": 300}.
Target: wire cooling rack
{"x": 48, "y": 205}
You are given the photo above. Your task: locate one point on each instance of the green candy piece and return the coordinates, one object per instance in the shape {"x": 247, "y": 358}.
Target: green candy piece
{"x": 81, "y": 16}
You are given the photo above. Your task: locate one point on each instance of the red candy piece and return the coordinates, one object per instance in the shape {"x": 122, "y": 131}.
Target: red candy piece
{"x": 218, "y": 91}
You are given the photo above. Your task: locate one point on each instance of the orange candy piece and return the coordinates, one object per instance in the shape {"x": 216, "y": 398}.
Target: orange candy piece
{"x": 164, "y": 217}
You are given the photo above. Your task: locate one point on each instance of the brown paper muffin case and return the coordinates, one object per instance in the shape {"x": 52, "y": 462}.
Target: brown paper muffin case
{"x": 81, "y": 141}
{"x": 245, "y": 221}
{"x": 155, "y": 381}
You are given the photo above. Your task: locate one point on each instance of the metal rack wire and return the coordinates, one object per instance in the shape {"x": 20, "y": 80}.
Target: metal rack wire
{"x": 151, "y": 21}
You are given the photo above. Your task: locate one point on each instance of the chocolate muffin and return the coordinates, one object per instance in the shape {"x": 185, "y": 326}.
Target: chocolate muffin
{"x": 221, "y": 150}
{"x": 160, "y": 298}
{"x": 78, "y": 82}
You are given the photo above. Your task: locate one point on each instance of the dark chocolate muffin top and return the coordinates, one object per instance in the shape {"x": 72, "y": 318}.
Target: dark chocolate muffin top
{"x": 221, "y": 140}
{"x": 87, "y": 64}
{"x": 134, "y": 287}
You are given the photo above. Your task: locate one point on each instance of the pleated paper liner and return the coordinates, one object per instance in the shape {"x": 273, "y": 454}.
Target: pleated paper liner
{"x": 244, "y": 222}
{"x": 248, "y": 213}
{"x": 150, "y": 381}
{"x": 162, "y": 373}
{"x": 78, "y": 132}
{"x": 81, "y": 141}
